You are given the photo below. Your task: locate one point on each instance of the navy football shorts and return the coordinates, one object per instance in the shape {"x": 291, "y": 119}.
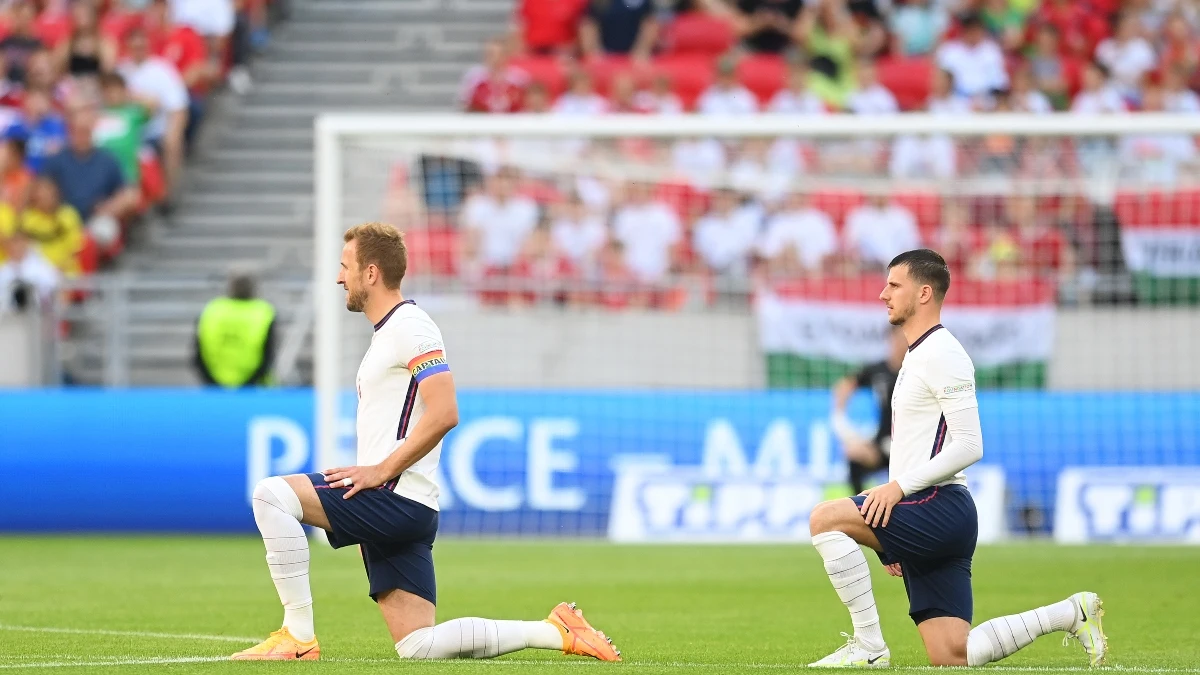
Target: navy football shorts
{"x": 932, "y": 534}
{"x": 396, "y": 535}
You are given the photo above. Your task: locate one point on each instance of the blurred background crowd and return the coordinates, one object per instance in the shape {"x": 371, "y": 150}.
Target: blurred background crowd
{"x": 750, "y": 209}
{"x": 100, "y": 101}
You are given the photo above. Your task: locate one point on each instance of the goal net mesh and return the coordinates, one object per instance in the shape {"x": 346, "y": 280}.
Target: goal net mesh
{"x": 646, "y": 330}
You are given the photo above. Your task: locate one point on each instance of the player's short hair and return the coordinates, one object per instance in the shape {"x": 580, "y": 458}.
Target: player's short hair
{"x": 926, "y": 266}
{"x": 381, "y": 245}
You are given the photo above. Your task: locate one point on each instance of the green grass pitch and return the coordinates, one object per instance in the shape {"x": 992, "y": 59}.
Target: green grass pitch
{"x": 177, "y": 605}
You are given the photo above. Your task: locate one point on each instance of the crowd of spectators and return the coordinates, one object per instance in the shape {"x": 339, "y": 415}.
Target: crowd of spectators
{"x": 523, "y": 240}
{"x": 817, "y": 57}
{"x": 99, "y": 102}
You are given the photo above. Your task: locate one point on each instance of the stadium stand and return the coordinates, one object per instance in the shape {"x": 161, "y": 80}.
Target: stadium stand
{"x": 250, "y": 182}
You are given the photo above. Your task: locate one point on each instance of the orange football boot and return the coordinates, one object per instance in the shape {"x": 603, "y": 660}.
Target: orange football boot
{"x": 579, "y": 637}
{"x": 281, "y": 646}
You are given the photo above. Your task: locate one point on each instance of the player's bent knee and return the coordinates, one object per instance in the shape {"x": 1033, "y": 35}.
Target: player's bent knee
{"x": 829, "y": 516}
{"x": 276, "y": 492}
{"x": 416, "y": 645}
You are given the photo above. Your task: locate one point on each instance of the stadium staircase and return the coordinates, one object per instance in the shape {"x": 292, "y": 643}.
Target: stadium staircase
{"x": 247, "y": 198}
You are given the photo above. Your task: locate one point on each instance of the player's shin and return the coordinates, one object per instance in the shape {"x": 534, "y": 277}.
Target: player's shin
{"x": 851, "y": 577}
{"x": 472, "y": 638}
{"x": 1002, "y": 637}
{"x": 277, "y": 512}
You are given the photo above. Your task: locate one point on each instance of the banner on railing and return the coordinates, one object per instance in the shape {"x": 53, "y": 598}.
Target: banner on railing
{"x": 1128, "y": 504}
{"x": 531, "y": 462}
{"x": 665, "y": 504}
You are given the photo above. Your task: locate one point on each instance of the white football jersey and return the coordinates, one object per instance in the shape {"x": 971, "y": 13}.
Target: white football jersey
{"x": 937, "y": 378}
{"x": 405, "y": 349}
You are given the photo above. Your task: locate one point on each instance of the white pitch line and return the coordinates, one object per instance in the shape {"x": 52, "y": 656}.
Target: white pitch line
{"x": 129, "y": 633}
{"x": 114, "y": 662}
{"x": 792, "y": 666}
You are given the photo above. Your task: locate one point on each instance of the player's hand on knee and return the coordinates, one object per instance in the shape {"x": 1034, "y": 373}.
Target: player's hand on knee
{"x": 894, "y": 570}
{"x": 355, "y": 478}
{"x": 877, "y": 507}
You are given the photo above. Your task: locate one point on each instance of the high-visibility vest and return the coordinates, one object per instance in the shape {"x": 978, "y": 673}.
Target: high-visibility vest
{"x": 233, "y": 336}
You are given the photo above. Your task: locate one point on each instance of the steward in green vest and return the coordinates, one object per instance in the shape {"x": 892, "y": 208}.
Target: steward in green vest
{"x": 235, "y": 338}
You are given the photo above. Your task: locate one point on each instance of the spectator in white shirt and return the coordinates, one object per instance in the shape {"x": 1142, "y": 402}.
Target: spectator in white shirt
{"x": 1127, "y": 55}
{"x": 155, "y": 78}
{"x": 27, "y": 279}
{"x": 1177, "y": 97}
{"x": 496, "y": 223}
{"x": 871, "y": 97}
{"x": 764, "y": 168}
{"x": 727, "y": 96}
{"x": 649, "y": 232}
{"x": 700, "y": 160}
{"x": 1097, "y": 96}
{"x": 1024, "y": 97}
{"x": 1156, "y": 158}
{"x": 659, "y": 99}
{"x": 578, "y": 233}
{"x": 725, "y": 236}
{"x": 581, "y": 98}
{"x": 795, "y": 98}
{"x": 931, "y": 156}
{"x": 975, "y": 60}
{"x": 798, "y": 238}
{"x": 878, "y": 231}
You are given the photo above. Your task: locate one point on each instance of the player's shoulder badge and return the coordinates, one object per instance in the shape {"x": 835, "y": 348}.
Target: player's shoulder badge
{"x": 967, "y": 386}
{"x": 429, "y": 346}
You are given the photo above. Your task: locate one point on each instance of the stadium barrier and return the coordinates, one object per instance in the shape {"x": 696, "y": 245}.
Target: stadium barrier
{"x": 545, "y": 463}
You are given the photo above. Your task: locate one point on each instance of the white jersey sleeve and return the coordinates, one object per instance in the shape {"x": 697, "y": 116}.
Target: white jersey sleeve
{"x": 950, "y": 376}
{"x": 419, "y": 348}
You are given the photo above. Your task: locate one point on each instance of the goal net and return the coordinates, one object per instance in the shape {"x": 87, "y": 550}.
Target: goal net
{"x": 647, "y": 317}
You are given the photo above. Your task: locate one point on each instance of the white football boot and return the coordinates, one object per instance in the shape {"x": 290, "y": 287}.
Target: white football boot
{"x": 853, "y": 655}
{"x": 1087, "y": 627}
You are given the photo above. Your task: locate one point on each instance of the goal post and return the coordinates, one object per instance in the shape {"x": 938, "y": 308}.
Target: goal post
{"x": 358, "y": 156}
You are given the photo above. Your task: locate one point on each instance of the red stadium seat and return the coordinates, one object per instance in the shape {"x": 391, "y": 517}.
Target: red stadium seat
{"x": 689, "y": 75}
{"x": 604, "y": 70}
{"x": 762, "y": 74}
{"x": 698, "y": 34}
{"x": 837, "y": 203}
{"x": 908, "y": 80}
{"x": 546, "y": 70}
{"x": 926, "y": 207}
{"x": 432, "y": 251}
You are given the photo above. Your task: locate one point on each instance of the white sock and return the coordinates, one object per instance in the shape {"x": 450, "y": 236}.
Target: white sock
{"x": 277, "y": 512}
{"x": 472, "y": 638}
{"x": 851, "y": 577}
{"x": 1001, "y": 637}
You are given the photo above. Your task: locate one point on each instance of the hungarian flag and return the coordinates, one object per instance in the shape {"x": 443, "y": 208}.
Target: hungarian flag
{"x": 815, "y": 331}
{"x": 1160, "y": 239}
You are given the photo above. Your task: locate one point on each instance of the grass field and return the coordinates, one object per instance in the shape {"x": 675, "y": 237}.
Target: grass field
{"x": 179, "y": 605}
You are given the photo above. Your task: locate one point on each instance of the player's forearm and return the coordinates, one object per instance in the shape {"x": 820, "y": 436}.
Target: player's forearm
{"x": 429, "y": 431}
{"x": 842, "y": 392}
{"x": 964, "y": 449}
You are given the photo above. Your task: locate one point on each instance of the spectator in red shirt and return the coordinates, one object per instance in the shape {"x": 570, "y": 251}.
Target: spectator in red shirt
{"x": 87, "y": 52}
{"x": 1078, "y": 28}
{"x": 1045, "y": 252}
{"x": 184, "y": 48}
{"x": 542, "y": 272}
{"x": 615, "y": 283}
{"x": 121, "y": 17}
{"x": 548, "y": 26}
{"x": 22, "y": 40}
{"x": 493, "y": 86}
{"x": 1179, "y": 48}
